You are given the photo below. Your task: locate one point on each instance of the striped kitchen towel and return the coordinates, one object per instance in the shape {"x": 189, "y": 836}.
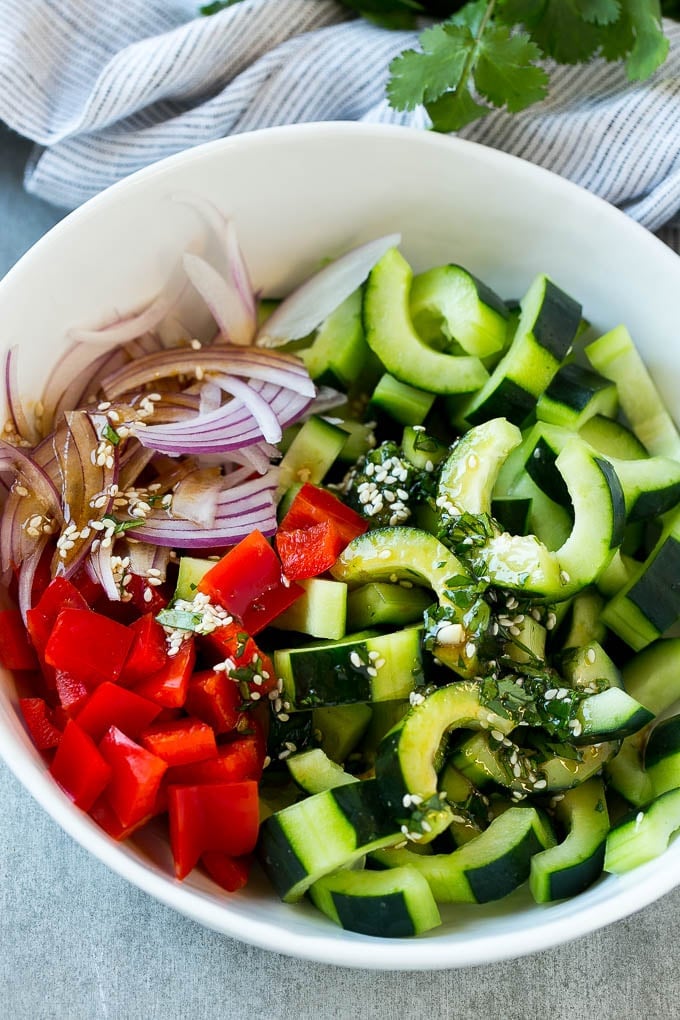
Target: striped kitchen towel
{"x": 105, "y": 88}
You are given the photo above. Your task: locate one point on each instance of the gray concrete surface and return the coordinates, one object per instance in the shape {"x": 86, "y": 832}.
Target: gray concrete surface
{"x": 78, "y": 943}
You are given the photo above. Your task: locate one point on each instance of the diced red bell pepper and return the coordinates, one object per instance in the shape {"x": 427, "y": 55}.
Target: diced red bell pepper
{"x": 215, "y": 698}
{"x": 90, "y": 589}
{"x": 181, "y": 741}
{"x": 242, "y": 758}
{"x": 59, "y": 594}
{"x": 136, "y": 776}
{"x": 148, "y": 653}
{"x": 220, "y": 817}
{"x": 89, "y": 646}
{"x": 16, "y": 651}
{"x": 41, "y": 723}
{"x": 231, "y": 873}
{"x": 72, "y": 693}
{"x": 232, "y": 642}
{"x": 79, "y": 768}
{"x": 104, "y": 815}
{"x": 111, "y": 705}
{"x": 145, "y": 597}
{"x": 314, "y": 505}
{"x": 250, "y": 584}
{"x": 308, "y": 552}
{"x": 168, "y": 687}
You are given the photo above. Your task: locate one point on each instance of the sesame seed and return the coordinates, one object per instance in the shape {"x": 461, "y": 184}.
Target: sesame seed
{"x": 355, "y": 659}
{"x": 565, "y": 578}
{"x": 148, "y": 594}
{"x": 540, "y": 784}
{"x": 590, "y": 656}
{"x": 497, "y": 735}
{"x": 21, "y": 490}
{"x": 384, "y": 554}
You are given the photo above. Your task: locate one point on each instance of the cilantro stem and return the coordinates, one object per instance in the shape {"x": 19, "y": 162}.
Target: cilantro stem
{"x": 474, "y": 49}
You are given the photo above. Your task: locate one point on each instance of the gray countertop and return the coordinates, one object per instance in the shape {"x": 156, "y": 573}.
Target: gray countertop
{"x": 77, "y": 942}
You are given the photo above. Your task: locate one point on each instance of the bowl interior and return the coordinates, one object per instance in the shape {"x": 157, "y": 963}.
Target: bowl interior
{"x": 299, "y": 195}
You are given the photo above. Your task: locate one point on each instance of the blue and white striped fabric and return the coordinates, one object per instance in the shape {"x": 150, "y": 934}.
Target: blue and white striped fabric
{"x": 104, "y": 88}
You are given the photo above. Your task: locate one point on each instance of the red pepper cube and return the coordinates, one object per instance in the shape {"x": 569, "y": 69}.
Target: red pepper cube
{"x": 136, "y": 776}
{"x": 249, "y": 582}
{"x": 16, "y": 651}
{"x": 313, "y": 505}
{"x": 106, "y": 818}
{"x": 240, "y": 759}
{"x": 41, "y": 723}
{"x": 215, "y": 698}
{"x": 145, "y": 597}
{"x": 232, "y": 642}
{"x": 220, "y": 817}
{"x": 79, "y": 768}
{"x": 231, "y": 873}
{"x": 168, "y": 687}
{"x": 148, "y": 653}
{"x": 72, "y": 693}
{"x": 90, "y": 647}
{"x": 308, "y": 552}
{"x": 181, "y": 741}
{"x": 111, "y": 705}
{"x": 59, "y": 594}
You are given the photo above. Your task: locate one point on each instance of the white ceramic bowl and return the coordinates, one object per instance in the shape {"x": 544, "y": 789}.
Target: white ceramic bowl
{"x": 298, "y": 194}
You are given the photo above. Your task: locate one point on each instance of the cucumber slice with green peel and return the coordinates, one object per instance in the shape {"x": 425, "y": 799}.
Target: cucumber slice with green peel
{"x": 354, "y": 669}
{"x": 547, "y": 520}
{"x": 420, "y": 448}
{"x": 471, "y": 811}
{"x": 321, "y": 610}
{"x": 384, "y": 715}
{"x": 398, "y": 554}
{"x": 314, "y": 450}
{"x": 615, "y": 356}
{"x": 339, "y": 350}
{"x": 391, "y": 335}
{"x": 191, "y": 570}
{"x": 662, "y": 756}
{"x": 649, "y": 604}
{"x": 588, "y": 664}
{"x": 360, "y": 439}
{"x": 314, "y": 771}
{"x": 483, "y": 764}
{"x": 339, "y": 728}
{"x": 377, "y": 604}
{"x": 575, "y": 395}
{"x": 525, "y": 564}
{"x": 574, "y": 864}
{"x": 469, "y": 473}
{"x": 626, "y": 772}
{"x": 314, "y": 837}
{"x": 652, "y": 676}
{"x": 449, "y": 301}
{"x": 611, "y": 438}
{"x": 610, "y": 714}
{"x": 616, "y": 574}
{"x": 529, "y": 644}
{"x": 548, "y": 324}
{"x": 409, "y": 755}
{"x": 487, "y": 868}
{"x": 404, "y": 403}
{"x": 388, "y": 904}
{"x": 643, "y": 834}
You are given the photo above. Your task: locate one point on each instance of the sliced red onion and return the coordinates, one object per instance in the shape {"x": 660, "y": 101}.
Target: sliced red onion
{"x": 326, "y": 400}
{"x": 99, "y": 564}
{"x": 132, "y": 326}
{"x": 267, "y": 366}
{"x": 261, "y": 411}
{"x": 132, "y": 462}
{"x": 27, "y": 576}
{"x": 195, "y": 498}
{"x": 210, "y": 398}
{"x": 239, "y": 511}
{"x": 235, "y": 324}
{"x": 241, "y": 474}
{"x": 145, "y": 557}
{"x": 31, "y": 476}
{"x": 305, "y": 309}
{"x": 23, "y": 425}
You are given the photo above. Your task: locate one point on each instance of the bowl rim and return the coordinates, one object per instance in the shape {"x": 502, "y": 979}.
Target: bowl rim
{"x": 434, "y": 952}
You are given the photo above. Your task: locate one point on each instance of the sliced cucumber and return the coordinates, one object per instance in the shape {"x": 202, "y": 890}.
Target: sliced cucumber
{"x": 339, "y": 350}
{"x": 575, "y": 863}
{"x": 612, "y": 438}
{"x": 329, "y": 830}
{"x": 614, "y": 355}
{"x": 469, "y": 474}
{"x": 339, "y": 728}
{"x": 377, "y": 604}
{"x": 421, "y": 449}
{"x": 191, "y": 571}
{"x": 662, "y": 756}
{"x": 314, "y": 449}
{"x": 487, "y": 868}
{"x": 450, "y": 301}
{"x": 392, "y": 337}
{"x": 379, "y": 668}
{"x": 321, "y": 610}
{"x": 315, "y": 772}
{"x": 387, "y": 904}
{"x": 404, "y": 403}
{"x": 588, "y": 664}
{"x": 575, "y": 395}
{"x": 545, "y": 332}
{"x": 643, "y": 834}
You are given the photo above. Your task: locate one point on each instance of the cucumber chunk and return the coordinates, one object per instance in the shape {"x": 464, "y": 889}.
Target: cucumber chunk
{"x": 339, "y": 351}
{"x": 321, "y": 610}
{"x": 404, "y": 403}
{"x": 469, "y": 474}
{"x": 392, "y": 337}
{"x": 340, "y": 728}
{"x": 377, "y": 604}
{"x": 387, "y": 904}
{"x": 315, "y": 772}
{"x": 450, "y": 302}
{"x": 643, "y": 834}
{"x": 575, "y": 863}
